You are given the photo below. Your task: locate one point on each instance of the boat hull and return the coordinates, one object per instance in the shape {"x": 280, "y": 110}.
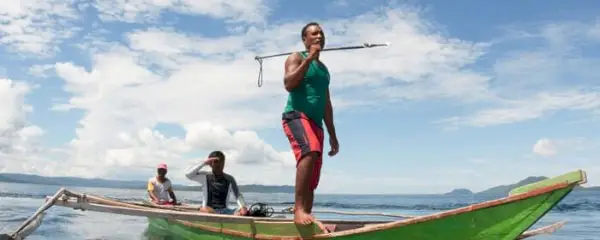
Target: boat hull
{"x": 501, "y": 219}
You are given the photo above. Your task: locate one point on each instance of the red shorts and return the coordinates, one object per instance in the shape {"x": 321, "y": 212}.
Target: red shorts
{"x": 305, "y": 137}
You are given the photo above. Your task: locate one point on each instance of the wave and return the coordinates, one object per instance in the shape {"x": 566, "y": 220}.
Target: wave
{"x": 22, "y": 195}
{"x": 585, "y": 205}
{"x": 571, "y": 206}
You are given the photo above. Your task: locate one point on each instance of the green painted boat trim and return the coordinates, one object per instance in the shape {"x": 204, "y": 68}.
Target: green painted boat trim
{"x": 501, "y": 219}
{"x": 207, "y": 230}
{"x": 573, "y": 177}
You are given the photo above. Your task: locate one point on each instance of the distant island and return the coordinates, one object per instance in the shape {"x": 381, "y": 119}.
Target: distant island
{"x": 460, "y": 192}
{"x": 104, "y": 183}
{"x": 501, "y": 190}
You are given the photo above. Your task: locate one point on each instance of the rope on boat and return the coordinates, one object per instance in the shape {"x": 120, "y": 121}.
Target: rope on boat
{"x": 260, "y": 59}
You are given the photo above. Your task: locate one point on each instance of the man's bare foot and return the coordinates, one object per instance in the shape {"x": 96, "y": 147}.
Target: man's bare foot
{"x": 303, "y": 218}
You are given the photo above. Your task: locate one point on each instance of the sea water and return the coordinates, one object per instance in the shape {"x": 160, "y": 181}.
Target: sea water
{"x": 581, "y": 210}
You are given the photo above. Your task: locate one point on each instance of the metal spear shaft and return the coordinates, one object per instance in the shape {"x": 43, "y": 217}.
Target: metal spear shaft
{"x": 364, "y": 45}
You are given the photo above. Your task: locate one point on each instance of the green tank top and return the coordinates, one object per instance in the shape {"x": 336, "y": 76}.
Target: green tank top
{"x": 310, "y": 97}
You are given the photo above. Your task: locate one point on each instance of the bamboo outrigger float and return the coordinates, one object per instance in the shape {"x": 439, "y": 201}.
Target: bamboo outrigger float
{"x": 505, "y": 218}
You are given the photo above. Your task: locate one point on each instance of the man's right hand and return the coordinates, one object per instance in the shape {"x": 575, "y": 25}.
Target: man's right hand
{"x": 314, "y": 51}
{"x": 210, "y": 160}
{"x": 244, "y": 211}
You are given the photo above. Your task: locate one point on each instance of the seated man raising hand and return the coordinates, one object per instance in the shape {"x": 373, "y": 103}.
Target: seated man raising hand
{"x": 217, "y": 185}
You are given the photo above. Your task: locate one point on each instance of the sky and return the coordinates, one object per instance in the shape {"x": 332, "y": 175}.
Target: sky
{"x": 469, "y": 94}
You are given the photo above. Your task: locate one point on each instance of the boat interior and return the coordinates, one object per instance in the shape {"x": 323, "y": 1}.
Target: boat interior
{"x": 332, "y": 225}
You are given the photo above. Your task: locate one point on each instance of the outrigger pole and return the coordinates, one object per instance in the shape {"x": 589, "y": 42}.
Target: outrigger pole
{"x": 364, "y": 45}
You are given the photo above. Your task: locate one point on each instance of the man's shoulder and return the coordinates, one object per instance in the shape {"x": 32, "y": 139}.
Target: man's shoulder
{"x": 295, "y": 56}
{"x": 229, "y": 176}
{"x": 153, "y": 180}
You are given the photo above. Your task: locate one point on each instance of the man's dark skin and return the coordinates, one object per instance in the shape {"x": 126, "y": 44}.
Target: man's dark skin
{"x": 161, "y": 178}
{"x": 295, "y": 68}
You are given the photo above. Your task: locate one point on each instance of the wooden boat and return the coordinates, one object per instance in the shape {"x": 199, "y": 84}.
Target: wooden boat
{"x": 506, "y": 218}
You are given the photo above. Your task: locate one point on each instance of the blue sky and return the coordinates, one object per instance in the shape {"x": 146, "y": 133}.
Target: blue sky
{"x": 476, "y": 94}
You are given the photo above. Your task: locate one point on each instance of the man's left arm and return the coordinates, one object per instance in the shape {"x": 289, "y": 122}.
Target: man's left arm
{"x": 172, "y": 194}
{"x": 238, "y": 195}
{"x": 328, "y": 118}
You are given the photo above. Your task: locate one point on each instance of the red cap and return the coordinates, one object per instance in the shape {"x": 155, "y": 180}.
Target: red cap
{"x": 162, "y": 165}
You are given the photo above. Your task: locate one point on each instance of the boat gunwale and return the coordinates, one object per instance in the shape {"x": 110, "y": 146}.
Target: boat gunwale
{"x": 582, "y": 179}
{"x": 208, "y": 217}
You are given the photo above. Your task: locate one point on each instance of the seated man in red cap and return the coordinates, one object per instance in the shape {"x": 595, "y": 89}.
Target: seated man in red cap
{"x": 217, "y": 186}
{"x": 160, "y": 187}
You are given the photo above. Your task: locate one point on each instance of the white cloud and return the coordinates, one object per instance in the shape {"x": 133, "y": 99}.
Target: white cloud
{"x": 243, "y": 147}
{"x": 36, "y": 26}
{"x": 542, "y": 79}
{"x": 544, "y": 147}
{"x": 19, "y": 140}
{"x": 431, "y": 63}
{"x": 41, "y": 71}
{"x": 529, "y": 108}
{"x": 595, "y": 30}
{"x": 13, "y": 110}
{"x": 252, "y": 11}
{"x": 552, "y": 147}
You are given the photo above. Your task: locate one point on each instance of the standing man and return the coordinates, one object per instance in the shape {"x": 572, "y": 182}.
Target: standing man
{"x": 308, "y": 105}
{"x": 160, "y": 187}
